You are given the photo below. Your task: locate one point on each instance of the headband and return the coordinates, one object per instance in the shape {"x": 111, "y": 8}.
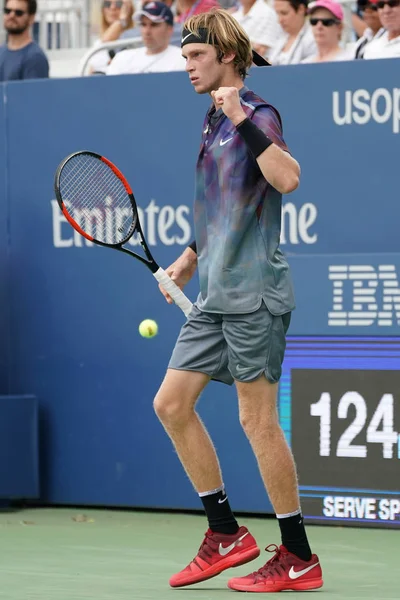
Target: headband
{"x": 203, "y": 37}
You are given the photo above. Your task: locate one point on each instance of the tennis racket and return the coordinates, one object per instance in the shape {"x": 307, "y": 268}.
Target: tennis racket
{"x": 98, "y": 202}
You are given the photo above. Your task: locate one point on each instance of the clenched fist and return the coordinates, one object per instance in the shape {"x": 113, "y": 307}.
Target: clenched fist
{"x": 228, "y": 99}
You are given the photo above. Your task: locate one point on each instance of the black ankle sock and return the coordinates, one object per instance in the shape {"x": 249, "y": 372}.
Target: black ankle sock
{"x": 219, "y": 513}
{"x": 294, "y": 536}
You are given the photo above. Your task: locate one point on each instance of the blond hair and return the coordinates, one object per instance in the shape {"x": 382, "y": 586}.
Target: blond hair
{"x": 226, "y": 35}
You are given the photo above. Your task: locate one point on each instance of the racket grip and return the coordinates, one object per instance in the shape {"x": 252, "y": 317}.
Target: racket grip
{"x": 174, "y": 291}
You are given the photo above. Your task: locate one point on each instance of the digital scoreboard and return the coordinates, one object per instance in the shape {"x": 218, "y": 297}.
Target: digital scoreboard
{"x": 339, "y": 404}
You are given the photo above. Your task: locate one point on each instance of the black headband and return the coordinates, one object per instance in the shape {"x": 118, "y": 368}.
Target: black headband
{"x": 203, "y": 37}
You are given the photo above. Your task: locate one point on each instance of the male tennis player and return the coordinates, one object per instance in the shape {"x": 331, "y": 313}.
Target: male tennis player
{"x": 236, "y": 330}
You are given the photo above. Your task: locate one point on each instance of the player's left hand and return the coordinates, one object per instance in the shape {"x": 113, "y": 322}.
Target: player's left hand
{"x": 228, "y": 99}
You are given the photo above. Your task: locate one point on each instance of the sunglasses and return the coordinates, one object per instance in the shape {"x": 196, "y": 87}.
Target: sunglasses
{"x": 391, "y": 3}
{"x": 17, "y": 11}
{"x": 326, "y": 22}
{"x": 370, "y": 6}
{"x": 109, "y": 3}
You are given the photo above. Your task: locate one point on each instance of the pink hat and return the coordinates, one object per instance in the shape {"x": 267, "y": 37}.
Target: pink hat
{"x": 333, "y": 7}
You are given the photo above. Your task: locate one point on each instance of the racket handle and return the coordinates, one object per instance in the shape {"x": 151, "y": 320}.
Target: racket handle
{"x": 174, "y": 291}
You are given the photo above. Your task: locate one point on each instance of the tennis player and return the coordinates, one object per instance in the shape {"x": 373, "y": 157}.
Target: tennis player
{"x": 236, "y": 332}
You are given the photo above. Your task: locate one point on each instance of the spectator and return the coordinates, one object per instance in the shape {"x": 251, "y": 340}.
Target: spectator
{"x": 260, "y": 23}
{"x": 357, "y": 19}
{"x": 374, "y": 28}
{"x": 388, "y": 44}
{"x": 172, "y": 4}
{"x": 326, "y": 20}
{"x": 157, "y": 55}
{"x": 188, "y": 8}
{"x": 21, "y": 57}
{"x": 297, "y": 41}
{"x": 116, "y": 19}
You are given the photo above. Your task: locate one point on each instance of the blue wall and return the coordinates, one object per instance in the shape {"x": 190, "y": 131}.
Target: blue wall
{"x": 4, "y": 286}
{"x": 71, "y": 311}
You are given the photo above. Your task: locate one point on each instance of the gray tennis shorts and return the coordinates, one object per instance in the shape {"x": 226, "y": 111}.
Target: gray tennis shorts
{"x": 232, "y": 347}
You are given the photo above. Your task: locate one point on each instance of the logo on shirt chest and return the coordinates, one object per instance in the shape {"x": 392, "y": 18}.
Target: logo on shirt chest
{"x": 222, "y": 142}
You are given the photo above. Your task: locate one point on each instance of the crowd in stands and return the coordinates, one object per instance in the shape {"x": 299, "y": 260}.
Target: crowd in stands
{"x": 283, "y": 31}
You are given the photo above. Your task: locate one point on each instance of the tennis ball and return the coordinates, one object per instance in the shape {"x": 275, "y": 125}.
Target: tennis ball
{"x": 148, "y": 328}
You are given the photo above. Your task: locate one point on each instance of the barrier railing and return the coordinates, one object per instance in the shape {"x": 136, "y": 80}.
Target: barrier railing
{"x": 135, "y": 42}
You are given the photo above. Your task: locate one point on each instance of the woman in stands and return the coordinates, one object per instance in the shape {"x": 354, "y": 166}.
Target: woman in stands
{"x": 297, "y": 41}
{"x": 116, "y": 22}
{"x": 326, "y": 20}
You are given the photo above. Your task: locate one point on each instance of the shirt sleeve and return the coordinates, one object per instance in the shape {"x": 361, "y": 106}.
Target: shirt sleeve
{"x": 36, "y": 66}
{"x": 267, "y": 119}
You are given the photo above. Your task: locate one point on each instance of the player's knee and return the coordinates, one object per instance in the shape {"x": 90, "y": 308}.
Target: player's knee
{"x": 254, "y": 424}
{"x": 171, "y": 411}
{"x": 248, "y": 423}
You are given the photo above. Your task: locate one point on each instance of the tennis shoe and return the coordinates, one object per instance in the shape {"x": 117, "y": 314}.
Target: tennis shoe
{"x": 218, "y": 551}
{"x": 284, "y": 571}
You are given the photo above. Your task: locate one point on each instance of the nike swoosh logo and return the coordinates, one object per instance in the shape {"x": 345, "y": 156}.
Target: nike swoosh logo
{"x": 185, "y": 38}
{"x": 224, "y": 551}
{"x": 296, "y": 574}
{"x": 223, "y": 142}
{"x": 224, "y": 500}
{"x": 240, "y": 369}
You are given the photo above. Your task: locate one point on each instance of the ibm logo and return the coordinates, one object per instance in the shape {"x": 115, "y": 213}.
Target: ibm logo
{"x": 375, "y": 295}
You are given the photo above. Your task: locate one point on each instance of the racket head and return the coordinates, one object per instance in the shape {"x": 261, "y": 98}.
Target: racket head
{"x": 96, "y": 199}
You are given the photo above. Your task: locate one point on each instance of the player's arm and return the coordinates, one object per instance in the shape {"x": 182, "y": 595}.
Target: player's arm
{"x": 182, "y": 270}
{"x": 280, "y": 169}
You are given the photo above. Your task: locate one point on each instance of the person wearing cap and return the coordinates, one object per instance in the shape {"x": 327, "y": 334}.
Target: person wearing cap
{"x": 326, "y": 20}
{"x": 374, "y": 29}
{"x": 157, "y": 54}
{"x": 260, "y": 23}
{"x": 388, "y": 44}
{"x": 297, "y": 41}
{"x": 237, "y": 328}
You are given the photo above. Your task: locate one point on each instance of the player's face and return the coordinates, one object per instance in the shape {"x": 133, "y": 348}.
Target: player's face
{"x": 155, "y": 36}
{"x": 290, "y": 20}
{"x": 17, "y": 23}
{"x": 205, "y": 71}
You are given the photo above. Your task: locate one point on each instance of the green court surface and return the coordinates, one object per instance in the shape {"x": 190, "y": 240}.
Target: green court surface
{"x": 78, "y": 554}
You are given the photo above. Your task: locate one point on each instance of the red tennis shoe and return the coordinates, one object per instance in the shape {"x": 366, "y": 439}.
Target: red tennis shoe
{"x": 284, "y": 571}
{"x": 218, "y": 551}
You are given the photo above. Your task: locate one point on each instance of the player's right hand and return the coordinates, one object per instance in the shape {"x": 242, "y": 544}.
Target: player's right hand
{"x": 181, "y": 271}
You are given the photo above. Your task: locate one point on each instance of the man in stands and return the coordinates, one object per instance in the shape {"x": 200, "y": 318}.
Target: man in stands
{"x": 388, "y": 44}
{"x": 157, "y": 55}
{"x": 21, "y": 57}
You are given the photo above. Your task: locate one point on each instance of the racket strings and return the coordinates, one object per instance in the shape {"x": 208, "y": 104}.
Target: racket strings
{"x": 97, "y": 199}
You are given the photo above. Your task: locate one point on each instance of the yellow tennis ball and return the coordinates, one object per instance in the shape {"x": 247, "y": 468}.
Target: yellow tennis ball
{"x": 148, "y": 328}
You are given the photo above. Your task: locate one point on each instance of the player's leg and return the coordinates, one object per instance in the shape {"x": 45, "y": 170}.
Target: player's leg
{"x": 175, "y": 407}
{"x": 259, "y": 419}
{"x": 199, "y": 355}
{"x": 257, "y": 369}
